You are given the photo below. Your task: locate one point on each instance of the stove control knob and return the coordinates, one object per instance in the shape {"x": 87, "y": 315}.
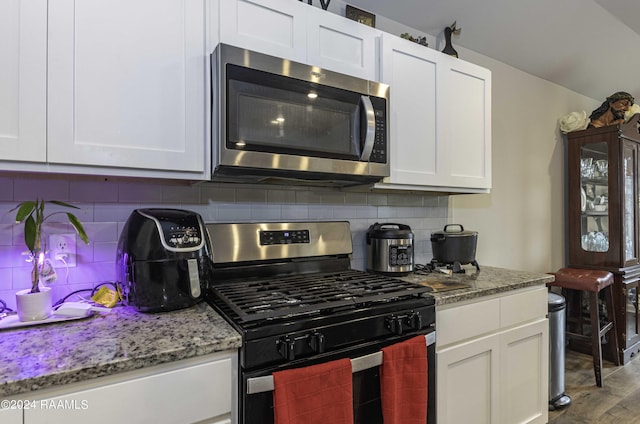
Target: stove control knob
{"x": 287, "y": 348}
{"x": 394, "y": 324}
{"x": 414, "y": 320}
{"x": 316, "y": 342}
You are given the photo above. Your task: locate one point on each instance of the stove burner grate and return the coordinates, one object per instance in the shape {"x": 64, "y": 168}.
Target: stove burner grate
{"x": 278, "y": 297}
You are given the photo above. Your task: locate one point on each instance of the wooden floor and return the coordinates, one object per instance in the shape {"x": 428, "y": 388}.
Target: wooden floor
{"x": 618, "y": 401}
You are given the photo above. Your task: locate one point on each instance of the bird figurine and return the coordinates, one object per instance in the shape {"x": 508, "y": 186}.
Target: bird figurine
{"x": 448, "y": 47}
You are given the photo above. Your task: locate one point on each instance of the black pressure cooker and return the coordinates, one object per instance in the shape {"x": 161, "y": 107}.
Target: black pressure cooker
{"x": 390, "y": 249}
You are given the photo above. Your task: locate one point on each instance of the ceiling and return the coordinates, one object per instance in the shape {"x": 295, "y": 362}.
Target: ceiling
{"x": 589, "y": 46}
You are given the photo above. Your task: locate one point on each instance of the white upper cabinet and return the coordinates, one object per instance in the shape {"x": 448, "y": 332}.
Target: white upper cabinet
{"x": 274, "y": 27}
{"x": 297, "y": 31}
{"x": 342, "y": 45}
{"x": 466, "y": 116}
{"x": 127, "y": 86}
{"x": 440, "y": 119}
{"x": 23, "y": 80}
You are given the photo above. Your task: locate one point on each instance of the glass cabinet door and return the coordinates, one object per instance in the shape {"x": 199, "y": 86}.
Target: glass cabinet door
{"x": 594, "y": 197}
{"x": 630, "y": 179}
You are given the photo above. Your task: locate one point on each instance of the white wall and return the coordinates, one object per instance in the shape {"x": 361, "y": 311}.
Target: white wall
{"x": 521, "y": 223}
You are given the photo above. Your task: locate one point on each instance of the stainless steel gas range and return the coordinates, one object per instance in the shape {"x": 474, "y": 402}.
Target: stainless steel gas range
{"x": 289, "y": 290}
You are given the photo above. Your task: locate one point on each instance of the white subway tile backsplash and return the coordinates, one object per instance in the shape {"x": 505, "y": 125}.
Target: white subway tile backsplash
{"x": 104, "y": 251}
{"x": 234, "y": 212}
{"x": 42, "y": 188}
{"x": 251, "y": 195}
{"x": 113, "y": 212}
{"x": 295, "y": 212}
{"x": 265, "y": 212}
{"x": 106, "y": 205}
{"x": 6, "y": 189}
{"x": 214, "y": 193}
{"x": 6, "y": 234}
{"x": 139, "y": 192}
{"x": 180, "y": 194}
{"x": 102, "y": 231}
{"x": 320, "y": 212}
{"x": 93, "y": 191}
{"x": 281, "y": 196}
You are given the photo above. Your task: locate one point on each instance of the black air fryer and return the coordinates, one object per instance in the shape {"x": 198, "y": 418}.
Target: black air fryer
{"x": 163, "y": 258}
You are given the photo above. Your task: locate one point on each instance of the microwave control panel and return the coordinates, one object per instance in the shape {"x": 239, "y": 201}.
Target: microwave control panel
{"x": 379, "y": 152}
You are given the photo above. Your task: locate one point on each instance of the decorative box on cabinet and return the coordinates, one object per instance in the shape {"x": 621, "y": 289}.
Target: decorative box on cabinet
{"x": 493, "y": 353}
{"x": 440, "y": 123}
{"x": 302, "y": 33}
{"x": 602, "y": 216}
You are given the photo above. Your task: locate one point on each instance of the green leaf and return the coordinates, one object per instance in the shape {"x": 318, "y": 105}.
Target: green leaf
{"x": 24, "y": 210}
{"x": 30, "y": 233}
{"x": 66, "y": 205}
{"x": 78, "y": 226}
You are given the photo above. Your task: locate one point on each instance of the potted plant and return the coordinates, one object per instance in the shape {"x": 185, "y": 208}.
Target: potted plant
{"x": 35, "y": 303}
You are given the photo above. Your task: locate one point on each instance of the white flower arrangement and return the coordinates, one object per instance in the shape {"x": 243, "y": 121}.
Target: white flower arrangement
{"x": 574, "y": 121}
{"x": 632, "y": 111}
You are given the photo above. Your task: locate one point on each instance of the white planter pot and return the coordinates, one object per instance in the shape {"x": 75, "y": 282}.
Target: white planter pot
{"x": 34, "y": 306}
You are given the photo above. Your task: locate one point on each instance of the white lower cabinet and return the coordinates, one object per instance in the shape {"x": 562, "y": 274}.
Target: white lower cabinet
{"x": 189, "y": 391}
{"x": 10, "y": 415}
{"x": 492, "y": 360}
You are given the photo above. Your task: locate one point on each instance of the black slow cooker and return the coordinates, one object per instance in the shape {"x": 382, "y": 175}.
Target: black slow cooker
{"x": 390, "y": 249}
{"x": 454, "y": 245}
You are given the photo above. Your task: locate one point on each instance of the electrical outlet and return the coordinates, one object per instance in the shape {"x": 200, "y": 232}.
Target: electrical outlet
{"x": 62, "y": 248}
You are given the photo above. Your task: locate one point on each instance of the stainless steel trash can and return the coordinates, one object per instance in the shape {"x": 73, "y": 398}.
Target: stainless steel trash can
{"x": 556, "y": 307}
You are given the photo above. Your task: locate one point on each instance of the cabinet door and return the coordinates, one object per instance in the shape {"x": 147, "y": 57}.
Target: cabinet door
{"x": 468, "y": 382}
{"x": 187, "y": 395}
{"x": 341, "y": 45}
{"x": 10, "y": 416}
{"x": 127, "y": 84}
{"x": 274, "y": 27}
{"x": 524, "y": 380}
{"x": 465, "y": 118}
{"x": 412, "y": 71}
{"x": 23, "y": 79}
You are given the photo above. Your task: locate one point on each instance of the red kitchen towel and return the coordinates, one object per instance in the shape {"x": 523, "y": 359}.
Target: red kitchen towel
{"x": 317, "y": 394}
{"x": 403, "y": 382}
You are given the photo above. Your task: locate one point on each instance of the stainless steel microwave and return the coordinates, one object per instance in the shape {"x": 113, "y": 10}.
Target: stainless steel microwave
{"x": 279, "y": 121}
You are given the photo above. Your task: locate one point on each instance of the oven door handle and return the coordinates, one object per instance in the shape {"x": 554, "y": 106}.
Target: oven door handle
{"x": 361, "y": 363}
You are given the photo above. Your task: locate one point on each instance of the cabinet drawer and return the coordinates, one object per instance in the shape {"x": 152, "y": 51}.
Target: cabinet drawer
{"x": 523, "y": 307}
{"x": 463, "y": 322}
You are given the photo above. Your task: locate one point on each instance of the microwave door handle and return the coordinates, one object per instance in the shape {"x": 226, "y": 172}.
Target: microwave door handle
{"x": 371, "y": 128}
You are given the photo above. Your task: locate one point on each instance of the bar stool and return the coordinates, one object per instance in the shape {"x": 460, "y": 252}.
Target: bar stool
{"x": 574, "y": 283}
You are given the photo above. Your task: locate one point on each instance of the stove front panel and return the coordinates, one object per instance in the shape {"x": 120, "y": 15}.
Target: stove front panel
{"x": 322, "y": 335}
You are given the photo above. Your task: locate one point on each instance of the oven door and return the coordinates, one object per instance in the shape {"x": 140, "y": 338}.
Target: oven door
{"x": 255, "y": 391}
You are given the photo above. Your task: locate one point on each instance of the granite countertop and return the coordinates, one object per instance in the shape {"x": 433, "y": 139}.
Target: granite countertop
{"x": 474, "y": 284}
{"x": 47, "y": 355}
{"x": 55, "y": 354}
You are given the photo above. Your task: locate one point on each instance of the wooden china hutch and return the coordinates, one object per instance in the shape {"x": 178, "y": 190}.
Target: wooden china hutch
{"x": 603, "y": 216}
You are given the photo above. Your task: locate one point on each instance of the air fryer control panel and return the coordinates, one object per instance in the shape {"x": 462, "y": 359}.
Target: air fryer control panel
{"x": 178, "y": 231}
{"x": 181, "y": 235}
